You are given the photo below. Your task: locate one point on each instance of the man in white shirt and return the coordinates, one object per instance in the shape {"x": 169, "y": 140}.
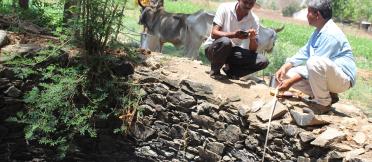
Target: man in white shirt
{"x": 233, "y": 41}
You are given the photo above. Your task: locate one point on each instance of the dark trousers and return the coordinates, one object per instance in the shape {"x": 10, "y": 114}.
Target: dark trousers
{"x": 241, "y": 61}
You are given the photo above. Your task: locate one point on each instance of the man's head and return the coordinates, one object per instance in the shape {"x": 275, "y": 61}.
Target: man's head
{"x": 321, "y": 8}
{"x": 246, "y": 4}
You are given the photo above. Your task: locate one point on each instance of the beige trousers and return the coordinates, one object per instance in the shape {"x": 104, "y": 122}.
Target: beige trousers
{"x": 324, "y": 76}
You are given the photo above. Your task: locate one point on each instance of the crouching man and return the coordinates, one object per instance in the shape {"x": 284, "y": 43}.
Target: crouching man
{"x": 233, "y": 41}
{"x": 324, "y": 66}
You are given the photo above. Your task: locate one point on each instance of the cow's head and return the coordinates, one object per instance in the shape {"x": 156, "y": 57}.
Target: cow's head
{"x": 267, "y": 38}
{"x": 149, "y": 10}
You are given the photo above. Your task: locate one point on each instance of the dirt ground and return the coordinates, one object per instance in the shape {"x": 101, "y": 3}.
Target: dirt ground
{"x": 184, "y": 68}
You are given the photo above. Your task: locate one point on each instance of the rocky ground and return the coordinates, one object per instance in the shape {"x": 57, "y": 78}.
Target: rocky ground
{"x": 187, "y": 116}
{"x": 213, "y": 120}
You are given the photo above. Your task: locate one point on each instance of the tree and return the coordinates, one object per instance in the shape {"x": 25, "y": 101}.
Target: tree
{"x": 23, "y": 4}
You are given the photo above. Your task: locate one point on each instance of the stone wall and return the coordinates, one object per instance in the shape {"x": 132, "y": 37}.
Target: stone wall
{"x": 183, "y": 121}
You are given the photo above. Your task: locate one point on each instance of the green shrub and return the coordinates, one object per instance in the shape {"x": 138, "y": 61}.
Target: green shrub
{"x": 291, "y": 9}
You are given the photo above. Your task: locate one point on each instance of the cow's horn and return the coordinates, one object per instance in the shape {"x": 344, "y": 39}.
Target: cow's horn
{"x": 279, "y": 29}
{"x": 143, "y": 3}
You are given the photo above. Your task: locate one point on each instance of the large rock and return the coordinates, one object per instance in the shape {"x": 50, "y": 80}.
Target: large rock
{"x": 265, "y": 112}
{"x": 20, "y": 48}
{"x": 3, "y": 38}
{"x": 216, "y": 147}
{"x": 328, "y": 136}
{"x": 141, "y": 131}
{"x": 207, "y": 155}
{"x": 307, "y": 118}
{"x": 203, "y": 120}
{"x": 13, "y": 92}
{"x": 181, "y": 101}
{"x": 198, "y": 89}
{"x": 230, "y": 134}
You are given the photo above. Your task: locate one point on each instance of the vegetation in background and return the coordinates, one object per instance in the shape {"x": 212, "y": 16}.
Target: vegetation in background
{"x": 354, "y": 10}
{"x": 70, "y": 96}
{"x": 291, "y": 9}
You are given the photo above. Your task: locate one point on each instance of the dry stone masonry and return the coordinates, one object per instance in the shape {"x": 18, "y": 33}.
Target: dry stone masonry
{"x": 183, "y": 121}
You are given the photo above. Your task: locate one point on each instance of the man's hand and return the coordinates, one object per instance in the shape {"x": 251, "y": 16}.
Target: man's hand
{"x": 241, "y": 34}
{"x": 252, "y": 34}
{"x": 284, "y": 85}
{"x": 280, "y": 74}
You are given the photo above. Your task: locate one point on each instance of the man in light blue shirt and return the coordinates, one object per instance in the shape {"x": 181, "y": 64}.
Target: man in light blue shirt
{"x": 325, "y": 65}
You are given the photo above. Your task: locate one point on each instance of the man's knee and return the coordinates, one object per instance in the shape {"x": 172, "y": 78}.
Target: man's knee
{"x": 263, "y": 62}
{"x": 224, "y": 41}
{"x": 316, "y": 64}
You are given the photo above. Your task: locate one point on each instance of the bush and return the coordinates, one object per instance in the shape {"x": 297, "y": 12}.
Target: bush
{"x": 291, "y": 9}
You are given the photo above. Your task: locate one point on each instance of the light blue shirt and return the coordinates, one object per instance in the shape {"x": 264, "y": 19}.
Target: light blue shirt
{"x": 329, "y": 42}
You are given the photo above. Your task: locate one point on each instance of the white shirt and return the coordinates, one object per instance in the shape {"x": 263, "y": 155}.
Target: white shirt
{"x": 226, "y": 17}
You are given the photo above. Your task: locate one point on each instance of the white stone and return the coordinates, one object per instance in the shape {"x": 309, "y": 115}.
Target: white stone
{"x": 328, "y": 136}
{"x": 359, "y": 138}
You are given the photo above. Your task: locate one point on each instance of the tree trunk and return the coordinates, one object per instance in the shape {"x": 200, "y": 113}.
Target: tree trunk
{"x": 23, "y": 4}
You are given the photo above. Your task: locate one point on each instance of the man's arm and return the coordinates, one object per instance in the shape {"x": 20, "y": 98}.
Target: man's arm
{"x": 252, "y": 36}
{"x": 217, "y": 33}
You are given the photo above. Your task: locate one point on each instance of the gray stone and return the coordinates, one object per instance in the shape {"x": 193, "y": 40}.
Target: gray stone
{"x": 196, "y": 88}
{"x": 335, "y": 155}
{"x": 158, "y": 99}
{"x": 207, "y": 155}
{"x": 146, "y": 109}
{"x": 141, "y": 131}
{"x": 166, "y": 153}
{"x": 265, "y": 112}
{"x": 307, "y": 118}
{"x": 160, "y": 88}
{"x": 216, "y": 147}
{"x": 368, "y": 147}
{"x": 152, "y": 63}
{"x": 194, "y": 138}
{"x": 203, "y": 120}
{"x": 230, "y": 134}
{"x": 251, "y": 142}
{"x": 146, "y": 151}
{"x": 328, "y": 136}
{"x": 20, "y": 48}
{"x": 229, "y": 118}
{"x": 303, "y": 159}
{"x": 226, "y": 158}
{"x": 306, "y": 136}
{"x": 359, "y": 138}
{"x": 13, "y": 92}
{"x": 243, "y": 110}
{"x": 3, "y": 38}
{"x": 354, "y": 153}
{"x": 181, "y": 101}
{"x": 233, "y": 99}
{"x": 243, "y": 155}
{"x": 290, "y": 130}
{"x": 206, "y": 108}
{"x": 192, "y": 150}
{"x": 177, "y": 131}
{"x": 206, "y": 133}
{"x": 347, "y": 110}
{"x": 257, "y": 105}
{"x": 341, "y": 147}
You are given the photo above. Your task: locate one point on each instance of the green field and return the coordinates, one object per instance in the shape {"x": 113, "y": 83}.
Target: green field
{"x": 289, "y": 41}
